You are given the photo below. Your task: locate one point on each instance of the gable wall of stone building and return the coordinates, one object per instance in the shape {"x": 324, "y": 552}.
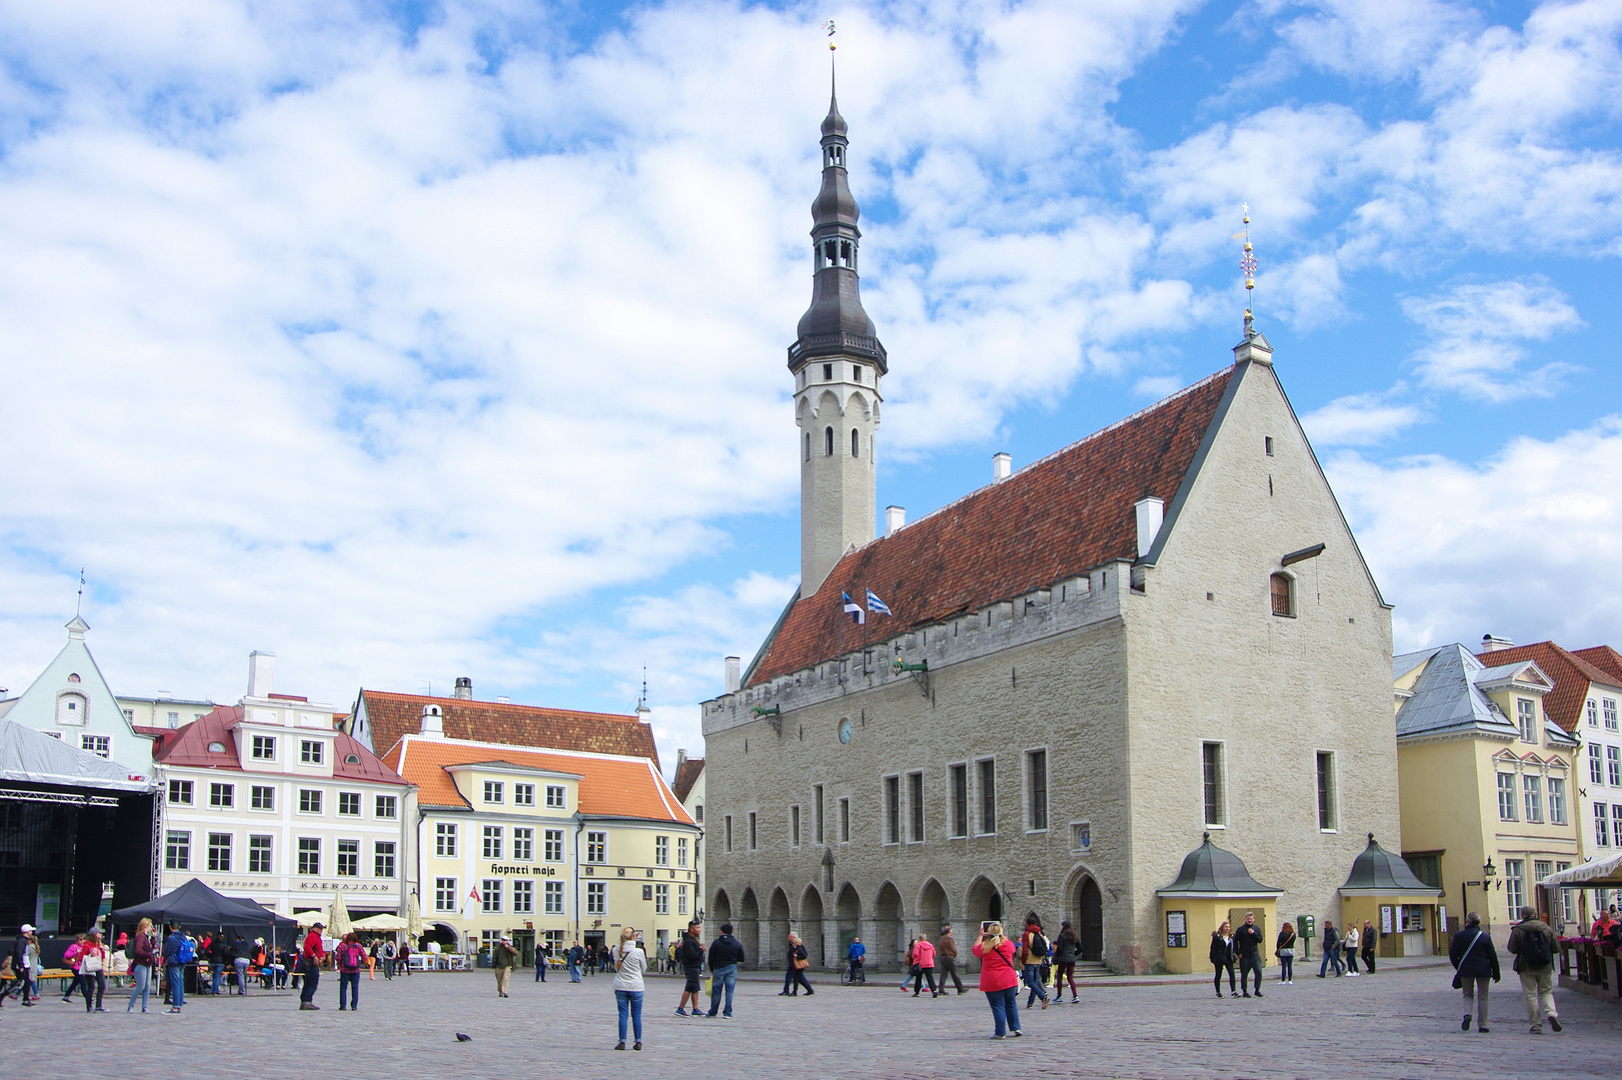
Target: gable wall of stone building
{"x": 1274, "y": 690}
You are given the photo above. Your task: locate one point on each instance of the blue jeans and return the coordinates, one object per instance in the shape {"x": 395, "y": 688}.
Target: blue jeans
{"x": 216, "y": 971}
{"x": 1005, "y": 1009}
{"x": 1331, "y": 956}
{"x": 1033, "y": 979}
{"x": 540, "y": 969}
{"x": 350, "y": 979}
{"x": 140, "y": 984}
{"x": 630, "y": 1003}
{"x": 175, "y": 976}
{"x": 574, "y": 971}
{"x": 726, "y": 974}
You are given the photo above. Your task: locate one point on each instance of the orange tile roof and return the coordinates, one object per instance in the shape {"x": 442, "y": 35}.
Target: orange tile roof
{"x": 1571, "y": 675}
{"x": 1058, "y": 518}
{"x": 687, "y": 774}
{"x": 628, "y": 787}
{"x": 190, "y": 746}
{"x": 392, "y": 716}
{"x": 1606, "y": 659}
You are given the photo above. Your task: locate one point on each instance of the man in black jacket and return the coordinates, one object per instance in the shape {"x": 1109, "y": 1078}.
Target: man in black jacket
{"x": 1247, "y": 941}
{"x": 725, "y": 956}
{"x": 690, "y": 954}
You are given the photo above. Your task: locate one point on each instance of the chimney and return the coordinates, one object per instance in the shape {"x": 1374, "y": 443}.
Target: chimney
{"x": 894, "y": 518}
{"x": 1151, "y": 512}
{"x": 1492, "y": 643}
{"x": 433, "y": 723}
{"x": 464, "y": 688}
{"x": 681, "y": 759}
{"x": 504, "y": 701}
{"x": 1002, "y": 467}
{"x": 643, "y": 713}
{"x": 734, "y": 679}
{"x": 260, "y": 667}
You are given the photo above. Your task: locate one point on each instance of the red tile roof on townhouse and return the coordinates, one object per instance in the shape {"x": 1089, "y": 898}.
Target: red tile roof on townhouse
{"x": 190, "y": 745}
{"x": 610, "y": 786}
{"x": 1058, "y": 518}
{"x": 1570, "y": 672}
{"x": 391, "y": 716}
{"x": 687, "y": 774}
{"x": 1605, "y": 658}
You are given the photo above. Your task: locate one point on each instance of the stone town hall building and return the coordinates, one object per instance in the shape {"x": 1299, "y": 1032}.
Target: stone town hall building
{"x": 1162, "y": 630}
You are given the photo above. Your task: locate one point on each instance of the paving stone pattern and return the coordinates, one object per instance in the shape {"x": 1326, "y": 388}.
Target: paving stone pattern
{"x": 1402, "y": 1023}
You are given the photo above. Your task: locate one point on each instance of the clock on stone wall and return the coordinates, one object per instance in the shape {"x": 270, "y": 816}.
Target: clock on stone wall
{"x": 844, "y": 731}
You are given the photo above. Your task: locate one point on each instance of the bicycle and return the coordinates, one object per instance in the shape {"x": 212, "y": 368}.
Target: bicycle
{"x": 853, "y": 975}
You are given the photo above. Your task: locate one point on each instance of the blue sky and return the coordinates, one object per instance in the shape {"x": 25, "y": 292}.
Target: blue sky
{"x": 423, "y": 340}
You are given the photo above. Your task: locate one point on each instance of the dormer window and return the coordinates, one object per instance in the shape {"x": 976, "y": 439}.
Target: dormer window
{"x": 1526, "y": 715}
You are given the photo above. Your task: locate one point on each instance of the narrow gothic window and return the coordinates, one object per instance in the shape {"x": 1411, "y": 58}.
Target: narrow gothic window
{"x": 828, "y": 438}
{"x": 808, "y": 446}
{"x": 855, "y": 443}
{"x": 827, "y": 373}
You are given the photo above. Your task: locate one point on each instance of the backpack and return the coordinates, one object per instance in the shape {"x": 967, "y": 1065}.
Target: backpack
{"x": 1535, "y": 953}
{"x": 1039, "y": 944}
{"x": 187, "y": 951}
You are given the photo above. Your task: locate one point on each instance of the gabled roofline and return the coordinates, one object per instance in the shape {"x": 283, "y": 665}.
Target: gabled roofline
{"x": 1207, "y": 441}
{"x": 771, "y": 636}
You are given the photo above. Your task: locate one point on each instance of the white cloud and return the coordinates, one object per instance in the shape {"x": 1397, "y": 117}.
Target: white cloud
{"x": 1522, "y": 545}
{"x": 1360, "y": 420}
{"x": 1477, "y": 330}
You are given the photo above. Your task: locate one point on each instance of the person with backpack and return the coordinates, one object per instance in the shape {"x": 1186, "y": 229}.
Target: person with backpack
{"x": 349, "y": 957}
{"x": 1033, "y": 949}
{"x": 1534, "y": 945}
{"x": 999, "y": 979}
{"x": 178, "y": 951}
{"x": 1475, "y": 960}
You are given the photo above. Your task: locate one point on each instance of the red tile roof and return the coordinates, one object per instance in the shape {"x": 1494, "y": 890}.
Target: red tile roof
{"x": 1060, "y": 517}
{"x": 628, "y": 787}
{"x": 392, "y": 716}
{"x": 189, "y": 746}
{"x": 1571, "y": 675}
{"x": 687, "y": 774}
{"x": 1606, "y": 659}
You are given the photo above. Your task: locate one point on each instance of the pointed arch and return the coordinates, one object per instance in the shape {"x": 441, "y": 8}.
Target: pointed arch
{"x": 748, "y": 932}
{"x": 720, "y": 908}
{"x": 934, "y": 909}
{"x": 812, "y": 926}
{"x": 889, "y": 945}
{"x": 984, "y": 901}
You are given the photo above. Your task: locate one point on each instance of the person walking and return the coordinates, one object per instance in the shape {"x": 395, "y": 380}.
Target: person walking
{"x": 913, "y": 972}
{"x": 576, "y": 955}
{"x": 923, "y": 955}
{"x": 1370, "y": 941}
{"x": 1222, "y": 958}
{"x": 1331, "y": 947}
{"x": 794, "y": 973}
{"x": 1033, "y": 953}
{"x": 543, "y": 953}
{"x": 857, "y": 955}
{"x": 178, "y": 951}
{"x": 1066, "y": 948}
{"x": 402, "y": 958}
{"x": 629, "y": 963}
{"x": 999, "y": 979}
{"x": 19, "y": 967}
{"x": 241, "y": 957}
{"x": 690, "y": 954}
{"x": 70, "y": 957}
{"x": 1284, "y": 949}
{"x": 309, "y": 966}
{"x": 33, "y": 967}
{"x": 143, "y": 955}
{"x": 1534, "y": 944}
{"x": 349, "y": 957}
{"x": 94, "y": 959}
{"x": 1248, "y": 943}
{"x": 726, "y": 953}
{"x": 387, "y": 954}
{"x": 946, "y": 957}
{"x": 1475, "y": 960}
{"x": 503, "y": 958}
{"x": 1349, "y": 945}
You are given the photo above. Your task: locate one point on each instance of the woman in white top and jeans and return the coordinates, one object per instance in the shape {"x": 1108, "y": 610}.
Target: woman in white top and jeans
{"x": 629, "y": 964}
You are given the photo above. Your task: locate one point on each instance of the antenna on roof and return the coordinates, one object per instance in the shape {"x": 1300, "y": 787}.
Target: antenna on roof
{"x": 78, "y": 609}
{"x": 642, "y": 702}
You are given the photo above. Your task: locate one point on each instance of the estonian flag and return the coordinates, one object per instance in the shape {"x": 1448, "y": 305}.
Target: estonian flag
{"x": 875, "y": 605}
{"x": 854, "y": 610}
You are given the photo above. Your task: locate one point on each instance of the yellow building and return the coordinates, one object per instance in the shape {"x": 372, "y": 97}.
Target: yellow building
{"x": 1213, "y": 887}
{"x": 1486, "y": 782}
{"x": 544, "y": 845}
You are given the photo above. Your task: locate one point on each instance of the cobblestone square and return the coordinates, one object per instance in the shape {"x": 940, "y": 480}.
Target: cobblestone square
{"x": 1400, "y": 1023}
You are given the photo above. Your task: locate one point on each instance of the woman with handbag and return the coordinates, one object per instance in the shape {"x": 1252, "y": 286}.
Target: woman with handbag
{"x": 1284, "y": 949}
{"x": 923, "y": 960}
{"x": 999, "y": 978}
{"x": 94, "y": 959}
{"x": 798, "y": 961}
{"x": 143, "y": 957}
{"x": 1475, "y": 961}
{"x": 1222, "y": 957}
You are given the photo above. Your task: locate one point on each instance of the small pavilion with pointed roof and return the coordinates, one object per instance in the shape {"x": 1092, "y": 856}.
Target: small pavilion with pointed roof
{"x": 1212, "y": 887}
{"x": 1383, "y": 891}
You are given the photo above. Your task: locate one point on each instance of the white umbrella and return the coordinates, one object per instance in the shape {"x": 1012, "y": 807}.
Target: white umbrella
{"x": 413, "y": 919}
{"x": 338, "y": 924}
{"x": 310, "y": 918}
{"x": 380, "y": 922}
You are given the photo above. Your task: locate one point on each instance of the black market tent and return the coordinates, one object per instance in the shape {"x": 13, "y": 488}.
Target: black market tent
{"x": 195, "y": 906}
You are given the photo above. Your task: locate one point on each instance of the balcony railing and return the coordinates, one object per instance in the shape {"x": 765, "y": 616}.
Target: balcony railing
{"x": 840, "y": 344}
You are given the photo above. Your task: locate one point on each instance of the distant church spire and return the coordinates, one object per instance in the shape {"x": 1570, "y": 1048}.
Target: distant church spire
{"x": 837, "y": 362}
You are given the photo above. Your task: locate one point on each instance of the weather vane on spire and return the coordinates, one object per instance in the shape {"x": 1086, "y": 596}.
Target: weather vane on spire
{"x": 78, "y": 609}
{"x": 829, "y": 26}
{"x": 1247, "y": 263}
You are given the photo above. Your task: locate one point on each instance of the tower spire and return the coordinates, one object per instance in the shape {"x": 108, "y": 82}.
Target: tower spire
{"x": 1247, "y": 263}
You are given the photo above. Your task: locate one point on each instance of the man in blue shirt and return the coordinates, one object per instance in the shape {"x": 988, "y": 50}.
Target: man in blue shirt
{"x": 175, "y": 947}
{"x": 857, "y": 952}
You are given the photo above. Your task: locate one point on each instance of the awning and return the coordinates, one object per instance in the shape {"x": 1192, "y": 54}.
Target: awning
{"x": 1600, "y": 872}
{"x": 33, "y": 757}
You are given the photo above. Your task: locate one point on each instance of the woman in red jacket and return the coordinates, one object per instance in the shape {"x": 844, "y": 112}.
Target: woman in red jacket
{"x": 999, "y": 978}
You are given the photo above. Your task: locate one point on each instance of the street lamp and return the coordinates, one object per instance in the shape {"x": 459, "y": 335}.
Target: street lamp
{"x": 1488, "y": 872}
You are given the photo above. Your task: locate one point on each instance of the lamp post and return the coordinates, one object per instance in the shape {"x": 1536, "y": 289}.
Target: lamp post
{"x": 1488, "y": 872}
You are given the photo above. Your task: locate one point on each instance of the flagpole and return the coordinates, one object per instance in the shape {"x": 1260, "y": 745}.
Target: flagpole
{"x": 839, "y": 656}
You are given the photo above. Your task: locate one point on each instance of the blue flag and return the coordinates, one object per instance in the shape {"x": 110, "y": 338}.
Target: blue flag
{"x": 875, "y": 605}
{"x": 854, "y": 610}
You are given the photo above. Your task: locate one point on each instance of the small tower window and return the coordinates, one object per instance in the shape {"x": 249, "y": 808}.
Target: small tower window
{"x": 828, "y": 439}
{"x": 855, "y": 443}
{"x": 1283, "y": 591}
{"x": 827, "y": 373}
{"x": 856, "y": 372}
{"x": 808, "y": 446}
{"x": 1267, "y": 442}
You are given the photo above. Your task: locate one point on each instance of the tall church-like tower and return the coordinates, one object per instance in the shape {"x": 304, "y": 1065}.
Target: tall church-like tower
{"x": 837, "y": 362}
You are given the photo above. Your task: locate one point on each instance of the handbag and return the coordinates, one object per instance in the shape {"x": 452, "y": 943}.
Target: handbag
{"x": 1458, "y": 977}
{"x": 801, "y": 965}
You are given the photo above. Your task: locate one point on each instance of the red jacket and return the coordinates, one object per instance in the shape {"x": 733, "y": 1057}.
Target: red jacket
{"x": 313, "y": 949}
{"x": 997, "y": 971}
{"x": 923, "y": 954}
